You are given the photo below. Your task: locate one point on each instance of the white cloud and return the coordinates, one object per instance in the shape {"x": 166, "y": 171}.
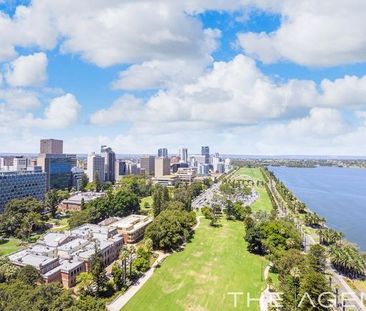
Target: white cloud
{"x": 126, "y": 108}
{"x": 19, "y": 99}
{"x": 312, "y": 33}
{"x": 232, "y": 93}
{"x": 30, "y": 70}
{"x": 61, "y": 113}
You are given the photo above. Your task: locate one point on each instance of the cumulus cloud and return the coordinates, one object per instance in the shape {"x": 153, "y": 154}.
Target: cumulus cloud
{"x": 126, "y": 108}
{"x": 232, "y": 93}
{"x": 30, "y": 70}
{"x": 60, "y": 113}
{"x": 312, "y": 33}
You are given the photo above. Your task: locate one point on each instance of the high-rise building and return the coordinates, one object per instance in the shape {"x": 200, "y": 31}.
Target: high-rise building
{"x": 215, "y": 162}
{"x": 132, "y": 168}
{"x": 22, "y": 184}
{"x": 6, "y": 162}
{"x": 58, "y": 169}
{"x": 203, "y": 169}
{"x": 183, "y": 154}
{"x": 162, "y": 167}
{"x": 121, "y": 169}
{"x": 77, "y": 177}
{"x": 109, "y": 163}
{"x": 51, "y": 146}
{"x": 163, "y": 153}
{"x": 205, "y": 150}
{"x": 95, "y": 167}
{"x": 147, "y": 164}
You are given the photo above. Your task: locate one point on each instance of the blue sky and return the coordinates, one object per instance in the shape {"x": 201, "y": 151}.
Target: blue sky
{"x": 245, "y": 77}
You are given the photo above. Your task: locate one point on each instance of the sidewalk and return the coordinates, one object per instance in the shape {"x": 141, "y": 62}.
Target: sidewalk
{"x": 122, "y": 300}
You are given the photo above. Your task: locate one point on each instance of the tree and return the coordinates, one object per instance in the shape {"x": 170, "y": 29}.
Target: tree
{"x": 170, "y": 228}
{"x": 22, "y": 217}
{"x": 123, "y": 256}
{"x": 317, "y": 257}
{"x": 84, "y": 182}
{"x": 85, "y": 283}
{"x": 8, "y": 271}
{"x": 51, "y": 202}
{"x": 117, "y": 274}
{"x": 97, "y": 270}
{"x": 29, "y": 275}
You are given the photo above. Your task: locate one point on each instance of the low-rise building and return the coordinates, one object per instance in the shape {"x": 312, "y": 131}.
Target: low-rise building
{"x": 61, "y": 257}
{"x": 132, "y": 227}
{"x": 74, "y": 203}
{"x": 168, "y": 180}
{"x": 186, "y": 174}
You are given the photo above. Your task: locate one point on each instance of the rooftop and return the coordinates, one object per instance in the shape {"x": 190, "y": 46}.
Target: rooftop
{"x": 79, "y": 196}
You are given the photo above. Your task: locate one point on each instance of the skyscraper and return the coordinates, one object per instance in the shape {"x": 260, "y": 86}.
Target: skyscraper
{"x": 162, "y": 152}
{"x": 96, "y": 165}
{"x": 205, "y": 151}
{"x": 109, "y": 163}
{"x": 162, "y": 167}
{"x": 183, "y": 154}
{"x": 58, "y": 169}
{"x": 51, "y": 146}
{"x": 120, "y": 169}
{"x": 148, "y": 164}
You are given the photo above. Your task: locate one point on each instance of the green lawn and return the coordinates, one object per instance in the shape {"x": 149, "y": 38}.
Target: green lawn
{"x": 9, "y": 246}
{"x": 199, "y": 278}
{"x": 248, "y": 173}
{"x": 263, "y": 202}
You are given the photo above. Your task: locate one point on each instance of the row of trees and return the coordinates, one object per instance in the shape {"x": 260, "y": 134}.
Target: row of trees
{"x": 348, "y": 261}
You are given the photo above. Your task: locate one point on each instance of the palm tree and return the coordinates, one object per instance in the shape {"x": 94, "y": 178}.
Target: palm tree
{"x": 123, "y": 256}
{"x": 131, "y": 251}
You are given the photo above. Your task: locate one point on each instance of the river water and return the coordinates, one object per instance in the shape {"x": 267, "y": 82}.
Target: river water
{"x": 338, "y": 194}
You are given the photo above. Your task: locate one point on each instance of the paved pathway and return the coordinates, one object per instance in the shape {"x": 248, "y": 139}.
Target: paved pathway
{"x": 118, "y": 303}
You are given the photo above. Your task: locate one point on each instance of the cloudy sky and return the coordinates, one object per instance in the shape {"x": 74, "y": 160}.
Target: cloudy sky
{"x": 243, "y": 76}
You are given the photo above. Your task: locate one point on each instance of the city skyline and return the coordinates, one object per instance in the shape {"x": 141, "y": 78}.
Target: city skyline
{"x": 237, "y": 75}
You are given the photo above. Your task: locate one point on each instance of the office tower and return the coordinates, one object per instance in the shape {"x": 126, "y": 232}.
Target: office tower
{"x": 22, "y": 184}
{"x": 162, "y": 167}
{"x": 220, "y": 167}
{"x": 183, "y": 154}
{"x": 96, "y": 165}
{"x": 215, "y": 162}
{"x": 120, "y": 169}
{"x": 203, "y": 169}
{"x": 58, "y": 169}
{"x": 163, "y": 153}
{"x": 228, "y": 166}
{"x": 51, "y": 146}
{"x": 205, "y": 151}
{"x": 147, "y": 164}
{"x": 132, "y": 168}
{"x": 20, "y": 164}
{"x": 109, "y": 163}
{"x": 77, "y": 177}
{"x": 6, "y": 162}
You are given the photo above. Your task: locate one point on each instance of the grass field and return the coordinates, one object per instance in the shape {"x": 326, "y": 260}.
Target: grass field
{"x": 199, "y": 278}
{"x": 263, "y": 202}
{"x": 9, "y": 246}
{"x": 248, "y": 173}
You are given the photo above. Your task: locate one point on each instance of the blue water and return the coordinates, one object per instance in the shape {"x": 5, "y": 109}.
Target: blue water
{"x": 338, "y": 194}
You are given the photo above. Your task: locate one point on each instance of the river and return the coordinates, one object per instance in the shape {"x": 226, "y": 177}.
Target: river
{"x": 338, "y": 194}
